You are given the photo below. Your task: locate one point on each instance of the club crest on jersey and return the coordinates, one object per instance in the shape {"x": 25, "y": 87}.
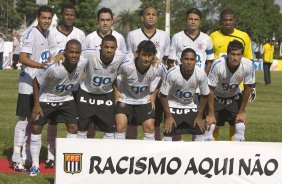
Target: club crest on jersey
{"x": 72, "y": 163}
{"x": 112, "y": 70}
{"x": 238, "y": 78}
{"x": 157, "y": 44}
{"x": 149, "y": 79}
{"x": 200, "y": 46}
{"x": 75, "y": 76}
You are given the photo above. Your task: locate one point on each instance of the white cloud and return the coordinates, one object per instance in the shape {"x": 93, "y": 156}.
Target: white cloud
{"x": 120, "y": 5}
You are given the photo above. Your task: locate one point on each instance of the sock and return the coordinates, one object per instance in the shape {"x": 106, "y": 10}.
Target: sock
{"x": 72, "y": 136}
{"x": 82, "y": 135}
{"x": 157, "y": 133}
{"x": 198, "y": 137}
{"x": 109, "y": 136}
{"x": 119, "y": 135}
{"x": 176, "y": 137}
{"x": 209, "y": 133}
{"x": 35, "y": 146}
{"x": 149, "y": 136}
{"x": 26, "y": 146}
{"x": 131, "y": 132}
{"x": 239, "y": 132}
{"x": 51, "y": 138}
{"x": 166, "y": 138}
{"x": 19, "y": 135}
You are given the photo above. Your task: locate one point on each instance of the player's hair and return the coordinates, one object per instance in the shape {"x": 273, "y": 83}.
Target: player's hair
{"x": 147, "y": 46}
{"x": 73, "y": 41}
{"x": 226, "y": 12}
{"x": 142, "y": 13}
{"x": 194, "y": 11}
{"x": 105, "y": 10}
{"x": 188, "y": 50}
{"x": 235, "y": 45}
{"x": 109, "y": 38}
{"x": 44, "y": 9}
{"x": 68, "y": 6}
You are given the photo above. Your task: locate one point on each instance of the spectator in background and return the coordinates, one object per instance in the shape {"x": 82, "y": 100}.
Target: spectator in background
{"x": 2, "y": 40}
{"x": 16, "y": 50}
{"x": 268, "y": 51}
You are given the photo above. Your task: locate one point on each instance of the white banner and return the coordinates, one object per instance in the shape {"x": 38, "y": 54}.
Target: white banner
{"x": 101, "y": 161}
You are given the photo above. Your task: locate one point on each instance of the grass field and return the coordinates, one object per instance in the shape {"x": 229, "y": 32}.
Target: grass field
{"x": 264, "y": 119}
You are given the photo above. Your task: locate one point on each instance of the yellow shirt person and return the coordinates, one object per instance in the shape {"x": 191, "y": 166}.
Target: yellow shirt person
{"x": 268, "y": 52}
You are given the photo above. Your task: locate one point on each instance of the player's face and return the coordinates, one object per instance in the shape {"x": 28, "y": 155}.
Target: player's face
{"x": 145, "y": 60}
{"x": 72, "y": 54}
{"x": 150, "y": 18}
{"x": 193, "y": 22}
{"x": 44, "y": 21}
{"x": 108, "y": 49}
{"x": 105, "y": 22}
{"x": 234, "y": 58}
{"x": 68, "y": 16}
{"x": 188, "y": 61}
{"x": 228, "y": 22}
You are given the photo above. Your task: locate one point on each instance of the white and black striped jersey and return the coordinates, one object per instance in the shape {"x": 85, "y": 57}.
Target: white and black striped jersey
{"x": 180, "y": 91}
{"x": 100, "y": 77}
{"x": 202, "y": 45}
{"x": 35, "y": 44}
{"x": 56, "y": 83}
{"x": 94, "y": 40}
{"x": 226, "y": 83}
{"x": 135, "y": 86}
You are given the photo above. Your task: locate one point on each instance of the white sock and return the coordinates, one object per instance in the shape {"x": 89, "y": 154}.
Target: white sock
{"x": 120, "y": 135}
{"x": 82, "y": 135}
{"x": 239, "y": 132}
{"x": 198, "y": 137}
{"x": 26, "y": 145}
{"x": 71, "y": 136}
{"x": 51, "y": 138}
{"x": 109, "y": 136}
{"x": 209, "y": 133}
{"x": 19, "y": 135}
{"x": 149, "y": 136}
{"x": 35, "y": 146}
{"x": 167, "y": 138}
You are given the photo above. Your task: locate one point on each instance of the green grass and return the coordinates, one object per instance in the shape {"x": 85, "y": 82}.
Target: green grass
{"x": 264, "y": 120}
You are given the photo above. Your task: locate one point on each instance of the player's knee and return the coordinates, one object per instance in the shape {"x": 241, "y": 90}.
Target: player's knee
{"x": 239, "y": 132}
{"x": 36, "y": 129}
{"x": 149, "y": 126}
{"x": 72, "y": 128}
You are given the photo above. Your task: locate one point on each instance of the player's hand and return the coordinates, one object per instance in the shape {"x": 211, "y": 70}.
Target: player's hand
{"x": 241, "y": 117}
{"x": 210, "y": 119}
{"x": 36, "y": 112}
{"x": 201, "y": 124}
{"x": 156, "y": 62}
{"x": 117, "y": 96}
{"x": 152, "y": 99}
{"x": 169, "y": 124}
{"x": 253, "y": 95}
{"x": 59, "y": 59}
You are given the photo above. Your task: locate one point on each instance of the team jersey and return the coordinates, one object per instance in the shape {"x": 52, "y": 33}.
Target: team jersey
{"x": 180, "y": 91}
{"x": 226, "y": 83}
{"x": 100, "y": 77}
{"x": 201, "y": 44}
{"x": 57, "y": 40}
{"x": 221, "y": 41}
{"x": 160, "y": 39}
{"x": 94, "y": 40}
{"x": 56, "y": 82}
{"x": 35, "y": 44}
{"x": 135, "y": 86}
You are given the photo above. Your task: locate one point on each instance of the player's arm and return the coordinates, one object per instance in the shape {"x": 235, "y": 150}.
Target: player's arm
{"x": 153, "y": 96}
{"x": 169, "y": 120}
{"x": 199, "y": 118}
{"x": 25, "y": 59}
{"x": 208, "y": 66}
{"x": 210, "y": 119}
{"x": 241, "y": 116}
{"x": 37, "y": 111}
{"x": 117, "y": 93}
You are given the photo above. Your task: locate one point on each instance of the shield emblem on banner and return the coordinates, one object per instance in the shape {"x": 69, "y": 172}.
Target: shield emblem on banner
{"x": 72, "y": 163}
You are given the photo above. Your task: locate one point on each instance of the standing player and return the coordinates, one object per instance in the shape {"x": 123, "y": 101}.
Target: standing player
{"x": 57, "y": 40}
{"x": 16, "y": 50}
{"x": 182, "y": 116}
{"x": 221, "y": 39}
{"x": 55, "y": 98}
{"x": 105, "y": 22}
{"x": 226, "y": 102}
{"x": 161, "y": 40}
{"x": 134, "y": 100}
{"x": 95, "y": 95}
{"x": 34, "y": 54}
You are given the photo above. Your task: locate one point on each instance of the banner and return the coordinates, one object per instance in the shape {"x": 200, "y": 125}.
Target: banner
{"x": 101, "y": 161}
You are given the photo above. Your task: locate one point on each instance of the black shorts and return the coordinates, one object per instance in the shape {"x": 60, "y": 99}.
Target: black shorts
{"x": 51, "y": 110}
{"x": 136, "y": 113}
{"x": 98, "y": 108}
{"x": 184, "y": 119}
{"x": 226, "y": 109}
{"x": 24, "y": 105}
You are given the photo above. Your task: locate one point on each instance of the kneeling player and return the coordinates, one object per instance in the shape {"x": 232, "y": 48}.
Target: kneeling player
{"x": 182, "y": 116}
{"x": 53, "y": 98}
